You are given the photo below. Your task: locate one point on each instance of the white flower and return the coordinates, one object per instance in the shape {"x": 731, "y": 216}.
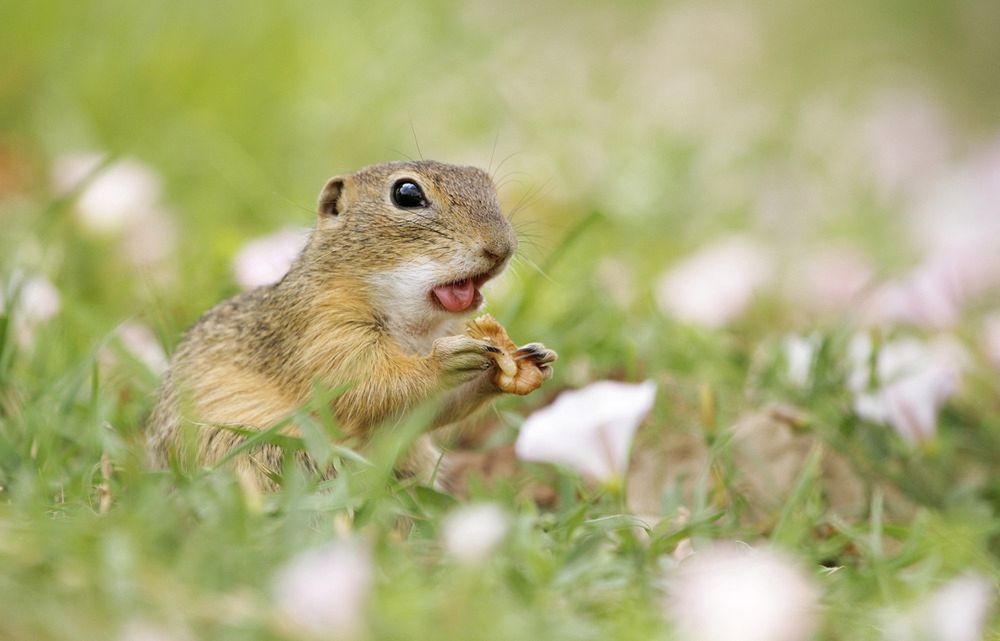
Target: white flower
{"x": 957, "y": 611}
{"x": 35, "y": 300}
{"x": 800, "y": 353}
{"x": 471, "y": 533}
{"x": 142, "y": 344}
{"x": 589, "y": 430}
{"x": 39, "y": 299}
{"x": 914, "y": 379}
{"x": 118, "y": 196}
{"x": 325, "y": 591}
{"x": 122, "y": 198}
{"x": 735, "y": 593}
{"x": 264, "y": 261}
{"x": 716, "y": 284}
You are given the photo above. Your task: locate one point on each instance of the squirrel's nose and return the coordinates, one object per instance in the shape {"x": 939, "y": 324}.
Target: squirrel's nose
{"x": 498, "y": 252}
{"x": 499, "y": 247}
{"x": 494, "y": 259}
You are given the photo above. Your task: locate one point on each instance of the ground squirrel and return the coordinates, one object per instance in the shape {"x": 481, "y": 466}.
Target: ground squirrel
{"x": 375, "y": 302}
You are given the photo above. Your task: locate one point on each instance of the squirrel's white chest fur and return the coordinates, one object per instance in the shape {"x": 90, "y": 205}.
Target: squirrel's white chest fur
{"x": 403, "y": 297}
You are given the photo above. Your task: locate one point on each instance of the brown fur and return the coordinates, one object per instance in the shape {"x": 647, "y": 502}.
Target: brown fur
{"x": 252, "y": 360}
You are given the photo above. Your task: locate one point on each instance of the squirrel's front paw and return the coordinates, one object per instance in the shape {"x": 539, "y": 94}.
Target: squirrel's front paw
{"x": 520, "y": 370}
{"x": 462, "y": 358}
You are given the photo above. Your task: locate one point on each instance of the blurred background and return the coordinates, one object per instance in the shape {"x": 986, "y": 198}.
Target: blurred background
{"x": 835, "y": 134}
{"x": 739, "y": 200}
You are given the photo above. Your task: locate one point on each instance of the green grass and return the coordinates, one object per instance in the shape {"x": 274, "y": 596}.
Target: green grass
{"x": 244, "y": 111}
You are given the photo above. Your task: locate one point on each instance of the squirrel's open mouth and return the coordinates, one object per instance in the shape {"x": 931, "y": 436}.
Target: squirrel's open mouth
{"x": 462, "y": 295}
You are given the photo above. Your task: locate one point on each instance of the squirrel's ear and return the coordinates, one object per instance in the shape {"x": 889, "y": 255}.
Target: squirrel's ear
{"x": 329, "y": 198}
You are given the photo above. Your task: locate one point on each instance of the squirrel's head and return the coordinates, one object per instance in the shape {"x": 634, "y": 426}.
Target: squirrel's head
{"x": 424, "y": 236}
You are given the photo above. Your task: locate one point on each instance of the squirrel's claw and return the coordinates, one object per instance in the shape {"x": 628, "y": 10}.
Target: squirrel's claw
{"x": 536, "y": 352}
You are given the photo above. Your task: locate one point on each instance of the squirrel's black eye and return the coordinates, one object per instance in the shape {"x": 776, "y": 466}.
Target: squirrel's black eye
{"x": 408, "y": 194}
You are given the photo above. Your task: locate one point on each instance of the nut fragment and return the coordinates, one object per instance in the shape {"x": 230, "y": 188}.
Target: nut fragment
{"x": 486, "y": 328}
{"x": 514, "y": 375}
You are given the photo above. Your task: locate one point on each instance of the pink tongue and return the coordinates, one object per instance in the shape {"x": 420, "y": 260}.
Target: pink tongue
{"x": 456, "y": 297}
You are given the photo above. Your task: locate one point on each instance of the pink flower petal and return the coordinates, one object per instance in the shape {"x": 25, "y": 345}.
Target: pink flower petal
{"x": 264, "y": 261}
